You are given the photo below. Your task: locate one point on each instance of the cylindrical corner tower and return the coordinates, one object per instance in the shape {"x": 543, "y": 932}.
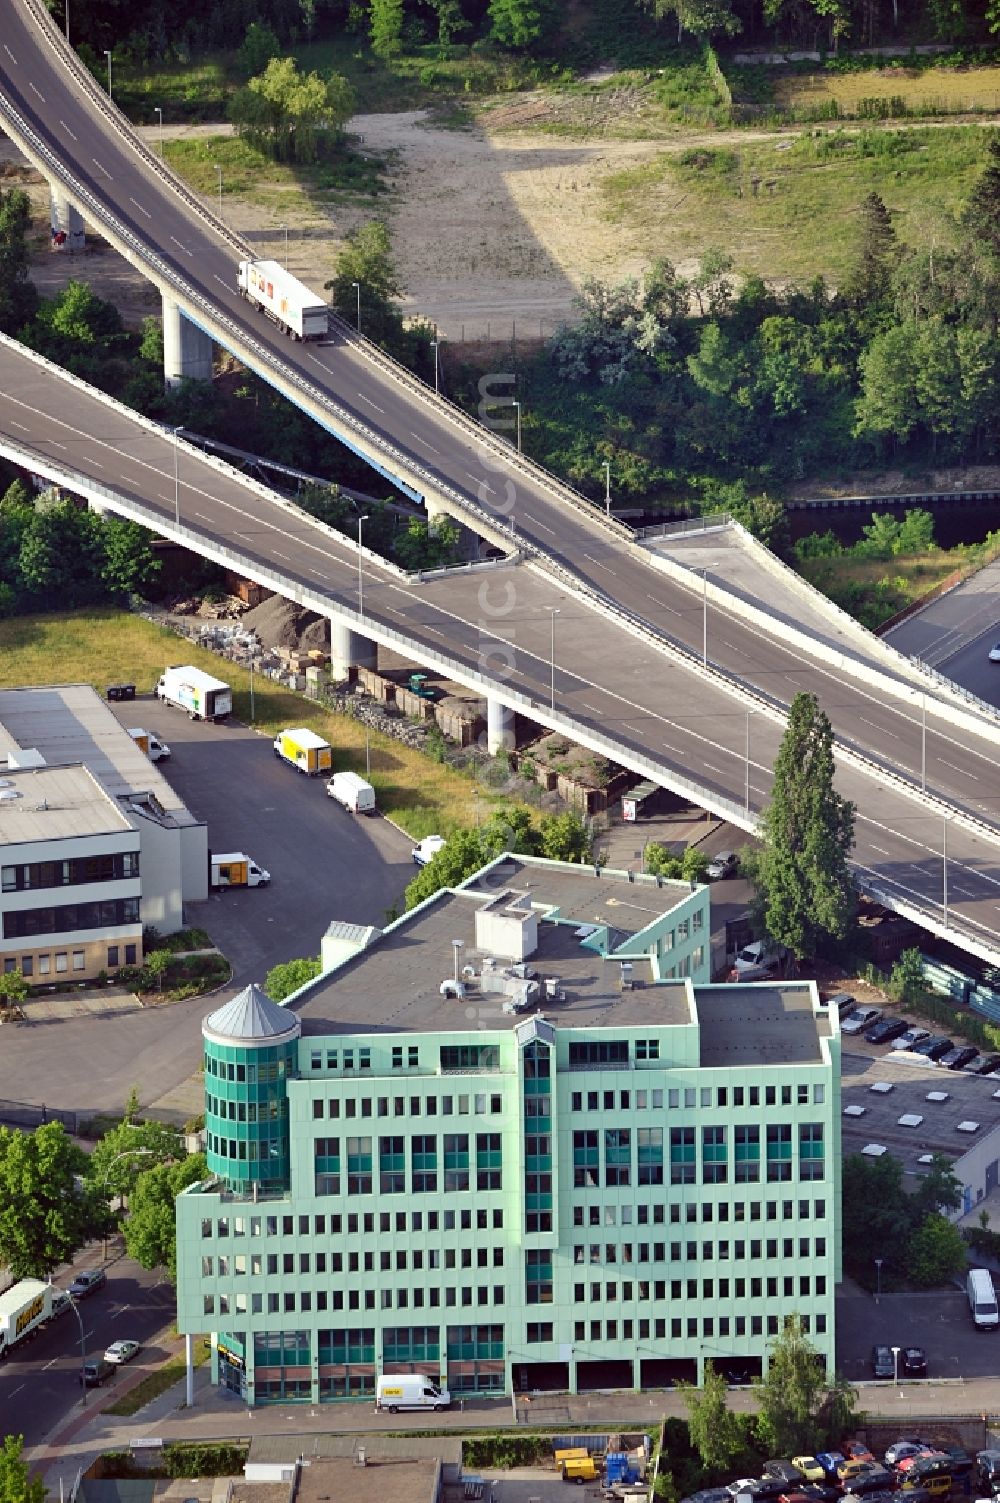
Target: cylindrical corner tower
{"x": 251, "y": 1047}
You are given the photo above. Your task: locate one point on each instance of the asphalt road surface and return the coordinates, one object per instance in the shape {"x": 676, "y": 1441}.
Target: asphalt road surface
{"x": 39, "y": 1382}
{"x": 937, "y": 1320}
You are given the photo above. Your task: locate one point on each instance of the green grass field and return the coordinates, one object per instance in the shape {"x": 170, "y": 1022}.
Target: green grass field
{"x": 284, "y": 189}
{"x": 102, "y": 647}
{"x": 788, "y": 208}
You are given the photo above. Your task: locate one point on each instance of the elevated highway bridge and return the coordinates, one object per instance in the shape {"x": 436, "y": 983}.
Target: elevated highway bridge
{"x": 584, "y": 626}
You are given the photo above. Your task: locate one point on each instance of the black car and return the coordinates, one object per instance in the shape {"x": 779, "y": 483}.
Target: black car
{"x": 988, "y": 1065}
{"x": 988, "y": 1467}
{"x": 818, "y": 1492}
{"x": 883, "y": 1365}
{"x": 957, "y": 1059}
{"x": 865, "y": 1484}
{"x": 887, "y": 1030}
{"x": 913, "y": 1362}
{"x": 935, "y": 1046}
{"x": 784, "y": 1470}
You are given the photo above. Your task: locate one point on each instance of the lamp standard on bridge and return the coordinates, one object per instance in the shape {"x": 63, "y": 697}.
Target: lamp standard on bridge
{"x": 435, "y": 343}
{"x": 944, "y": 867}
{"x": 357, "y": 286}
{"x": 159, "y": 113}
{"x": 66, "y": 18}
{"x": 219, "y": 171}
{"x": 177, "y": 482}
{"x": 361, "y": 580}
{"x": 923, "y": 741}
{"x": 517, "y": 406}
{"x": 607, "y": 487}
{"x": 747, "y": 795}
{"x": 704, "y": 618}
{"x": 553, "y": 611}
{"x": 107, "y": 54}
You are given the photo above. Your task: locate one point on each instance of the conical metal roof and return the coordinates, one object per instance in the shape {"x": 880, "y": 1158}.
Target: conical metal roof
{"x": 251, "y": 1016}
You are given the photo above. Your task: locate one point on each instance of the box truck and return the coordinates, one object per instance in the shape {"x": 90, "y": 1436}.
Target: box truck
{"x": 305, "y": 751}
{"x": 237, "y": 869}
{"x": 395, "y": 1391}
{"x": 204, "y": 697}
{"x": 284, "y": 299}
{"x": 353, "y": 792}
{"x": 150, "y": 745}
{"x": 982, "y": 1299}
{"x": 23, "y": 1309}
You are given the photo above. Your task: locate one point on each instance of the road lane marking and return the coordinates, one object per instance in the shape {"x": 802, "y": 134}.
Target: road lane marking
{"x": 536, "y": 523}
{"x": 72, "y": 134}
{"x": 35, "y": 90}
{"x": 49, "y": 1364}
{"x": 140, "y": 207}
{"x": 221, "y": 282}
{"x": 876, "y": 727}
{"x": 421, "y": 440}
{"x": 363, "y": 398}
{"x": 961, "y": 770}
{"x": 664, "y": 606}
{"x": 101, "y": 168}
{"x": 10, "y": 54}
{"x": 318, "y": 362}
{"x": 881, "y": 850}
{"x": 16, "y": 1390}
{"x": 592, "y": 708}
{"x": 598, "y": 565}
{"x": 96, "y": 463}
{"x": 23, "y": 426}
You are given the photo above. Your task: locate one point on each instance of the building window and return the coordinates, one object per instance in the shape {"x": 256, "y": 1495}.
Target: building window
{"x": 423, "y": 1155}
{"x": 747, "y": 1155}
{"x": 112, "y": 956}
{"x": 617, "y": 1156}
{"x": 130, "y": 954}
{"x": 22, "y": 923}
{"x": 464, "y": 1057}
{"x": 682, "y": 1156}
{"x": 650, "y": 1144}
{"x": 392, "y": 1166}
{"x": 779, "y": 1151}
{"x": 489, "y": 1161}
{"x": 62, "y": 962}
{"x": 647, "y": 1048}
{"x": 598, "y": 1052}
{"x": 79, "y": 960}
{"x": 538, "y": 1331}
{"x": 713, "y": 1156}
{"x": 810, "y": 1150}
{"x": 538, "y": 1276}
{"x": 359, "y": 1166}
{"x": 586, "y": 1160}
{"x": 456, "y": 1161}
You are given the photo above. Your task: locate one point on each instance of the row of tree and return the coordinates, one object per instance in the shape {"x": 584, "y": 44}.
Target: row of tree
{"x": 683, "y": 383}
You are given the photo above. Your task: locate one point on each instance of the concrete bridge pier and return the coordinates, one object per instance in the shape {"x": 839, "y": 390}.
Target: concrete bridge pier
{"x": 187, "y": 350}
{"x": 349, "y": 649}
{"x": 499, "y": 727}
{"x": 67, "y": 222}
{"x": 468, "y": 542}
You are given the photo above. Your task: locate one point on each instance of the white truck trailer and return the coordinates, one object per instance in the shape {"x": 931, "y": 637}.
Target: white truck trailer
{"x": 284, "y": 299}
{"x": 23, "y": 1309}
{"x": 191, "y": 689}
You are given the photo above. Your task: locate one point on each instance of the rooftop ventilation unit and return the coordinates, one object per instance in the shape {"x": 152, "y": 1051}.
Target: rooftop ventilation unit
{"x": 910, "y": 1119}
{"x": 855, "y": 1111}
{"x": 505, "y": 927}
{"x": 882, "y": 1087}
{"x": 873, "y": 1150}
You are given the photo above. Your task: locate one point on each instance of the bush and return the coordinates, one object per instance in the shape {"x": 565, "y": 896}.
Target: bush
{"x": 505, "y": 1451}
{"x": 203, "y": 1460}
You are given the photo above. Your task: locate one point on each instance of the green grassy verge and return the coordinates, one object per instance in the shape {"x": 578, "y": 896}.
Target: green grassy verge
{"x": 789, "y": 207}
{"x": 282, "y": 188}
{"x": 156, "y": 1383}
{"x": 99, "y": 647}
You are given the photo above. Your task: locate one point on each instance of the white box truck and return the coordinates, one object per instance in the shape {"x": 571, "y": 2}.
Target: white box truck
{"x": 237, "y": 869}
{"x": 204, "y": 697}
{"x": 304, "y": 750}
{"x": 284, "y": 299}
{"x": 150, "y": 745}
{"x": 353, "y": 792}
{"x": 395, "y": 1391}
{"x": 982, "y": 1299}
{"x": 23, "y": 1309}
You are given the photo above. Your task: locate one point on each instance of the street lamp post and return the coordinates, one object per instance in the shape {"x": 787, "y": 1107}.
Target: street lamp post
{"x": 177, "y": 484}
{"x": 83, "y": 1349}
{"x": 923, "y": 741}
{"x": 361, "y": 582}
{"x": 517, "y": 405}
{"x": 607, "y": 487}
{"x": 878, "y": 1279}
{"x": 127, "y": 1153}
{"x": 704, "y": 618}
{"x": 159, "y": 113}
{"x": 895, "y": 1365}
{"x": 357, "y": 286}
{"x": 251, "y": 687}
{"x": 944, "y": 867}
{"x": 747, "y": 797}
{"x": 107, "y": 54}
{"x": 553, "y": 613}
{"x": 219, "y": 171}
{"x": 435, "y": 343}
{"x": 66, "y": 17}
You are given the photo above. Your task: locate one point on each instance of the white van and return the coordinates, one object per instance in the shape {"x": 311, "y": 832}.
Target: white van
{"x": 982, "y": 1299}
{"x": 395, "y": 1391}
{"x": 353, "y": 792}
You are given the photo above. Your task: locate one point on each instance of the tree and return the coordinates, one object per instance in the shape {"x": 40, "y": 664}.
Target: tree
{"x": 130, "y": 565}
{"x": 427, "y": 545}
{"x": 13, "y": 987}
{"x": 130, "y": 1150}
{"x": 509, "y": 829}
{"x": 565, "y": 837}
{"x": 151, "y": 1229}
{"x": 874, "y": 1210}
{"x": 259, "y": 45}
{"x": 295, "y": 116}
{"x": 789, "y": 1394}
{"x": 716, "y": 1433}
{"x": 366, "y": 259}
{"x": 18, "y": 298}
{"x": 936, "y": 1252}
{"x": 906, "y": 981}
{"x": 701, "y": 18}
{"x": 16, "y": 1486}
{"x": 805, "y": 888}
{"x": 43, "y": 1216}
{"x": 870, "y": 281}
{"x": 981, "y": 223}
{"x": 888, "y": 401}
{"x": 386, "y": 27}
{"x": 939, "y": 1189}
{"x": 281, "y": 980}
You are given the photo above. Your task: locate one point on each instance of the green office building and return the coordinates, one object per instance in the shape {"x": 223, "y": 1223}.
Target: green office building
{"x": 517, "y": 1141}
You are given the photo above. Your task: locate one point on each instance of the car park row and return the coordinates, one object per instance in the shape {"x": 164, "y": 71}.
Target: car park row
{"x": 912, "y": 1470}
{"x": 877, "y": 1027}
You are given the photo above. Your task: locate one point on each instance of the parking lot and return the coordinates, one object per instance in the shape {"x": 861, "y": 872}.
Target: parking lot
{"x": 325, "y": 864}
{"x": 939, "y": 1321}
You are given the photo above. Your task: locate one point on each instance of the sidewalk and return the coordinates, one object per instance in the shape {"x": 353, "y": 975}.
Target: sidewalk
{"x": 84, "y": 1001}
{"x": 219, "y": 1415}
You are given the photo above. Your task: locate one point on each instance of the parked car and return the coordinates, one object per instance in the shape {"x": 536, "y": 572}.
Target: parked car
{"x": 829, "y": 1461}
{"x": 758, "y": 959}
{"x": 988, "y": 1065}
{"x": 809, "y": 1467}
{"x": 856, "y": 1450}
{"x": 962, "y": 1058}
{"x": 94, "y": 1372}
{"x": 887, "y": 1030}
{"x": 88, "y": 1282}
{"x": 883, "y": 1365}
{"x": 841, "y": 1003}
{"x": 874, "y": 1480}
{"x": 785, "y": 1471}
{"x": 861, "y": 1019}
{"x": 120, "y": 1352}
{"x": 908, "y": 1445}
{"x": 725, "y": 864}
{"x": 995, "y": 654}
{"x": 913, "y": 1362}
{"x": 988, "y": 1468}
{"x": 933, "y": 1454}
{"x": 935, "y": 1045}
{"x": 819, "y": 1492}
{"x": 911, "y": 1038}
